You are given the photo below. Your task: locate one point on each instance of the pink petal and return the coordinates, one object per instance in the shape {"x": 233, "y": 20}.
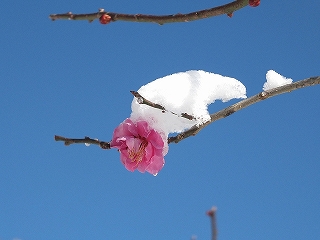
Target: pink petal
{"x": 143, "y": 129}
{"x": 149, "y": 152}
{"x": 155, "y": 139}
{"x": 121, "y": 131}
{"x": 142, "y": 166}
{"x": 127, "y": 162}
{"x": 156, "y": 165}
{"x": 131, "y": 127}
{"x": 133, "y": 143}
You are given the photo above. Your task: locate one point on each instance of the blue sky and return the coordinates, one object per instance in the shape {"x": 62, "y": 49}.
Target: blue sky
{"x": 260, "y": 166}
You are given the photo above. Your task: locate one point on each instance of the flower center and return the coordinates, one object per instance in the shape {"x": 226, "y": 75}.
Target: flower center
{"x": 136, "y": 155}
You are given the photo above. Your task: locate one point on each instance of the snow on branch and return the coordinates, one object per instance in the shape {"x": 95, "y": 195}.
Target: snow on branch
{"x": 106, "y": 17}
{"x": 214, "y": 116}
{"x": 245, "y": 103}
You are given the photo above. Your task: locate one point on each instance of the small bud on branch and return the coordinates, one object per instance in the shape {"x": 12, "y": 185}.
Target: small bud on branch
{"x": 105, "y": 19}
{"x": 254, "y": 3}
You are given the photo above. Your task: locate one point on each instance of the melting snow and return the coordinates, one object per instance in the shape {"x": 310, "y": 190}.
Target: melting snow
{"x": 274, "y": 80}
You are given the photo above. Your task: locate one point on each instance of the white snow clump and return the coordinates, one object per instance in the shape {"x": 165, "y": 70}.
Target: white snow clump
{"x": 185, "y": 92}
{"x": 274, "y": 80}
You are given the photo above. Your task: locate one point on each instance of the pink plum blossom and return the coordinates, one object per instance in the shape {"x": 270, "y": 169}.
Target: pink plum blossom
{"x": 140, "y": 146}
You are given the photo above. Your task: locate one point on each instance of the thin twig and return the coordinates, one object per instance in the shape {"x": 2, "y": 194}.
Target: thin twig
{"x": 142, "y": 100}
{"x": 228, "y": 8}
{"x": 86, "y": 140}
{"x": 245, "y": 103}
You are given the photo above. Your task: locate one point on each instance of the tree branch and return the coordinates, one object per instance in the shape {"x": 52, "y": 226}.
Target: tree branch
{"x": 86, "y": 140}
{"x": 228, "y": 8}
{"x": 142, "y": 100}
{"x": 245, "y": 103}
{"x": 214, "y": 117}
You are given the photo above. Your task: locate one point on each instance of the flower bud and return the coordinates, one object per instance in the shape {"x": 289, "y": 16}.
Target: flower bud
{"x": 105, "y": 19}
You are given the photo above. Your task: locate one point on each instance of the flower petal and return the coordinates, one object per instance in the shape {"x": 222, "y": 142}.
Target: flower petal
{"x": 126, "y": 161}
{"x": 143, "y": 129}
{"x": 157, "y": 163}
{"x": 155, "y": 139}
{"x": 131, "y": 127}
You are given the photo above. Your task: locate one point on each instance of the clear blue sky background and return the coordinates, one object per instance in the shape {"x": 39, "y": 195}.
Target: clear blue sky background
{"x": 260, "y": 166}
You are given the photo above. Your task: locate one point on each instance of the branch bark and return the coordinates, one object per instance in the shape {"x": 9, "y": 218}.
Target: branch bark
{"x": 142, "y": 100}
{"x": 215, "y": 116}
{"x": 86, "y": 140}
{"x": 228, "y": 8}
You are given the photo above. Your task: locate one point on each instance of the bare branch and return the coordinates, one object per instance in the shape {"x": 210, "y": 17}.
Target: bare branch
{"x": 245, "y": 103}
{"x": 86, "y": 140}
{"x": 228, "y": 9}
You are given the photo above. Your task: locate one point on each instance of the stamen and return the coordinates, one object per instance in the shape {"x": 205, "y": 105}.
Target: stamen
{"x": 136, "y": 156}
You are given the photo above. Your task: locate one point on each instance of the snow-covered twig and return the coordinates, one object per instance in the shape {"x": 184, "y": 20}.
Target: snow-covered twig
{"x": 142, "y": 100}
{"x": 228, "y": 9}
{"x": 215, "y": 116}
{"x": 245, "y": 103}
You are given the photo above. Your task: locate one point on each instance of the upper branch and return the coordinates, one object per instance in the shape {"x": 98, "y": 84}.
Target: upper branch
{"x": 228, "y": 8}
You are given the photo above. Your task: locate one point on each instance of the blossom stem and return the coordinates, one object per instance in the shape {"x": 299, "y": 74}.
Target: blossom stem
{"x": 160, "y": 19}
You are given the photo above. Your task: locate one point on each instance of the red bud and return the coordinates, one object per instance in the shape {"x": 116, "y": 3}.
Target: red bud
{"x": 210, "y": 213}
{"x": 254, "y": 3}
{"x": 230, "y": 14}
{"x": 105, "y": 19}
